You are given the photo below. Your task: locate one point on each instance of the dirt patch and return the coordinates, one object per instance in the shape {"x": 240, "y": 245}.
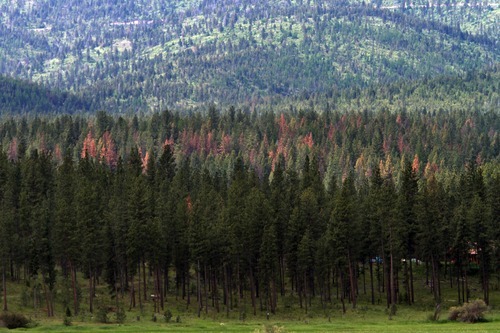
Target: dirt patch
{"x": 123, "y": 45}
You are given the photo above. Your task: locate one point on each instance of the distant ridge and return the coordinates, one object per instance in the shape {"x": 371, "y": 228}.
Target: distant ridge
{"x": 21, "y": 97}
{"x": 148, "y": 56}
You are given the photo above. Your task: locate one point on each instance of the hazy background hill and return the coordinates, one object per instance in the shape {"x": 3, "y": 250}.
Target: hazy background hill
{"x": 21, "y": 97}
{"x": 149, "y": 55}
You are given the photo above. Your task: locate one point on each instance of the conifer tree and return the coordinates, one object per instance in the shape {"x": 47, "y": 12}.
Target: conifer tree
{"x": 67, "y": 245}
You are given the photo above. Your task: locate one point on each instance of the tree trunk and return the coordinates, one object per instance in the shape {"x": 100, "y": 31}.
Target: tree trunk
{"x": 91, "y": 291}
{"x": 159, "y": 291}
{"x": 139, "y": 286}
{"x": 352, "y": 280}
{"x": 305, "y": 290}
{"x": 144, "y": 280}
{"x": 47, "y": 298}
{"x": 484, "y": 279}
{"x": 458, "y": 281}
{"x": 216, "y": 293}
{"x": 205, "y": 281}
{"x": 73, "y": 286}
{"x": 466, "y": 289}
{"x": 186, "y": 287}
{"x": 434, "y": 280}
{"x": 341, "y": 285}
{"x": 4, "y": 289}
{"x": 165, "y": 282}
{"x": 407, "y": 281}
{"x": 282, "y": 276}
{"x": 371, "y": 282}
{"x": 198, "y": 283}
{"x": 364, "y": 278}
{"x": 226, "y": 290}
{"x": 412, "y": 291}
{"x": 252, "y": 291}
{"x": 132, "y": 294}
{"x": 393, "y": 286}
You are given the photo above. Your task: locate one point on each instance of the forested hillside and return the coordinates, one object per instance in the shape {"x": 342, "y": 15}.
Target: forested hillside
{"x": 231, "y": 206}
{"x": 444, "y": 121}
{"x": 21, "y": 97}
{"x": 149, "y": 55}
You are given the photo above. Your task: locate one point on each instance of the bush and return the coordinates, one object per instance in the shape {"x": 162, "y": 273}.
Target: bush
{"x": 14, "y": 320}
{"x": 67, "y": 321}
{"x": 120, "y": 315}
{"x": 168, "y": 316}
{"x": 102, "y": 315}
{"x": 471, "y": 312}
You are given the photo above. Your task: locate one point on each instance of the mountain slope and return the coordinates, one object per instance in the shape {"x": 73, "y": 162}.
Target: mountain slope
{"x": 19, "y": 97}
{"x": 149, "y": 55}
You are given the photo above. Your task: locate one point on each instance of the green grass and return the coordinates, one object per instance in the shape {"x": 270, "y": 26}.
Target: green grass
{"x": 348, "y": 323}
{"x": 365, "y": 318}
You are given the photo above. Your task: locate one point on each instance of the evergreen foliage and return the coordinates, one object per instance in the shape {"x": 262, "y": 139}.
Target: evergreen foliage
{"x": 221, "y": 208}
{"x": 149, "y": 55}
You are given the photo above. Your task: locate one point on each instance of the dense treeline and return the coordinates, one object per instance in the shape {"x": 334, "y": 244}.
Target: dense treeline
{"x": 21, "y": 97}
{"x": 337, "y": 197}
{"x": 251, "y": 205}
{"x": 150, "y": 55}
{"x": 154, "y": 226}
{"x": 443, "y": 123}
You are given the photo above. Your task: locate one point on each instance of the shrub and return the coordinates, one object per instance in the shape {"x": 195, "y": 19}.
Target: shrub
{"x": 120, "y": 315}
{"x": 168, "y": 316}
{"x": 25, "y": 297}
{"x": 67, "y": 321}
{"x": 102, "y": 315}
{"x": 471, "y": 312}
{"x": 14, "y": 320}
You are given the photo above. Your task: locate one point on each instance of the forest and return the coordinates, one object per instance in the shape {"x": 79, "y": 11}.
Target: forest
{"x": 285, "y": 159}
{"x": 228, "y": 206}
{"x": 147, "y": 56}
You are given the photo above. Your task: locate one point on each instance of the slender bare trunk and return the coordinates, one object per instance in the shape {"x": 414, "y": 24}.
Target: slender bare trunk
{"x": 412, "y": 292}
{"x": 205, "y": 290}
{"x": 4, "y": 289}
{"x": 47, "y": 298}
{"x": 139, "y": 286}
{"x": 73, "y": 286}
{"x": 91, "y": 291}
{"x": 392, "y": 286}
{"x": 341, "y": 284}
{"x": 252, "y": 291}
{"x": 198, "y": 287}
{"x": 144, "y": 280}
{"x": 305, "y": 290}
{"x": 132, "y": 294}
{"x": 226, "y": 290}
{"x": 352, "y": 280}
{"x": 371, "y": 282}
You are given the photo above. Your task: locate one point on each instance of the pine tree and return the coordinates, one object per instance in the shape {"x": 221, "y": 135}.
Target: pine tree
{"x": 90, "y": 201}
{"x": 269, "y": 266}
{"x": 429, "y": 236}
{"x": 66, "y": 245}
{"x": 4, "y": 222}
{"x": 344, "y": 231}
{"x": 406, "y": 205}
